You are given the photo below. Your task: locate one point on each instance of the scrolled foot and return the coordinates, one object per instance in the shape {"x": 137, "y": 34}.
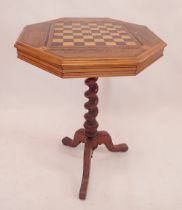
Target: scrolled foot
{"x": 105, "y": 138}
{"x": 78, "y": 138}
{"x": 122, "y": 147}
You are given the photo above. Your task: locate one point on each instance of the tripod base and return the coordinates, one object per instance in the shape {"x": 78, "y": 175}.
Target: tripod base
{"x": 102, "y": 137}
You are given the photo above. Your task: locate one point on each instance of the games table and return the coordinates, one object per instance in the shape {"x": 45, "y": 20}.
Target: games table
{"x": 89, "y": 48}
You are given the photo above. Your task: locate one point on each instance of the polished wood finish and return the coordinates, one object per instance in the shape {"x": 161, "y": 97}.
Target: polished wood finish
{"x": 90, "y": 136}
{"x": 42, "y": 45}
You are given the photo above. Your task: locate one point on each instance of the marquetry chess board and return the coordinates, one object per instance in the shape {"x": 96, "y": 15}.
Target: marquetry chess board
{"x": 81, "y": 34}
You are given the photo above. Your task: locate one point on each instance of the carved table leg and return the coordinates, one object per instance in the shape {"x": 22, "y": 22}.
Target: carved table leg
{"x": 105, "y": 138}
{"x": 78, "y": 138}
{"x": 86, "y": 169}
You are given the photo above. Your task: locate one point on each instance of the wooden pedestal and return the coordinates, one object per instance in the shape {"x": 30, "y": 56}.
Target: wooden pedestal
{"x": 90, "y": 136}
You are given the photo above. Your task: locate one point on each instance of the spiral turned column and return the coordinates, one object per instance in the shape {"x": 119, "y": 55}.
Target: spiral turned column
{"x": 91, "y": 124}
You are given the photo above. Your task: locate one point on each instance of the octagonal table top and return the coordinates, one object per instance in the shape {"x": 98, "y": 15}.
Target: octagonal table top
{"x": 89, "y": 47}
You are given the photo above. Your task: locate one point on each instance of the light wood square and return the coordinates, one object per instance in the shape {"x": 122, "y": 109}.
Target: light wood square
{"x": 88, "y": 37}
{"x": 126, "y": 37}
{"x": 111, "y": 29}
{"x": 57, "y": 28}
{"x": 103, "y": 31}
{"x": 68, "y": 31}
{"x": 78, "y": 40}
{"x": 108, "y": 24}
{"x": 57, "y": 33}
{"x": 78, "y": 34}
{"x": 68, "y": 26}
{"x": 117, "y": 26}
{"x": 84, "y": 26}
{"x": 118, "y": 40}
{"x": 76, "y": 24}
{"x": 89, "y": 43}
{"x": 99, "y": 40}
{"x": 57, "y": 40}
{"x": 59, "y": 24}
{"x": 110, "y": 43}
{"x": 68, "y": 37}
{"x": 122, "y": 31}
{"x": 85, "y": 31}
{"x": 102, "y": 26}
{"x": 92, "y": 24}
{"x": 96, "y": 34}
{"x": 68, "y": 44}
{"x": 115, "y": 34}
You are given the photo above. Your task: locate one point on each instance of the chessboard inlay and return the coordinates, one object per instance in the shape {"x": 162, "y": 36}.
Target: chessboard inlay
{"x": 81, "y": 34}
